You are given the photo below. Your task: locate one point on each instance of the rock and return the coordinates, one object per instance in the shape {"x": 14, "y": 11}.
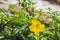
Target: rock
{"x": 58, "y": 1}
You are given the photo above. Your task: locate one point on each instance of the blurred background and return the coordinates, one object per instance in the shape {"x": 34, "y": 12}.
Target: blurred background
{"x": 42, "y": 4}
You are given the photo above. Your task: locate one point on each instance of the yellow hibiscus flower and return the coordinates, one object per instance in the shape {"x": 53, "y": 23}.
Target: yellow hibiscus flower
{"x": 36, "y": 27}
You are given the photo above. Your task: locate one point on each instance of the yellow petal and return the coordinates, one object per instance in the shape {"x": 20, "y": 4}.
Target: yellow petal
{"x": 34, "y": 22}
{"x": 32, "y": 28}
{"x": 36, "y": 27}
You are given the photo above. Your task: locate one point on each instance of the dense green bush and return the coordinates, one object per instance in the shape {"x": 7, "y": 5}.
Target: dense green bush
{"x": 14, "y": 24}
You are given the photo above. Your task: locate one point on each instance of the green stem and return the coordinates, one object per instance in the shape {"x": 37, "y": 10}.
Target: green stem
{"x": 37, "y": 37}
{"x": 56, "y": 35}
